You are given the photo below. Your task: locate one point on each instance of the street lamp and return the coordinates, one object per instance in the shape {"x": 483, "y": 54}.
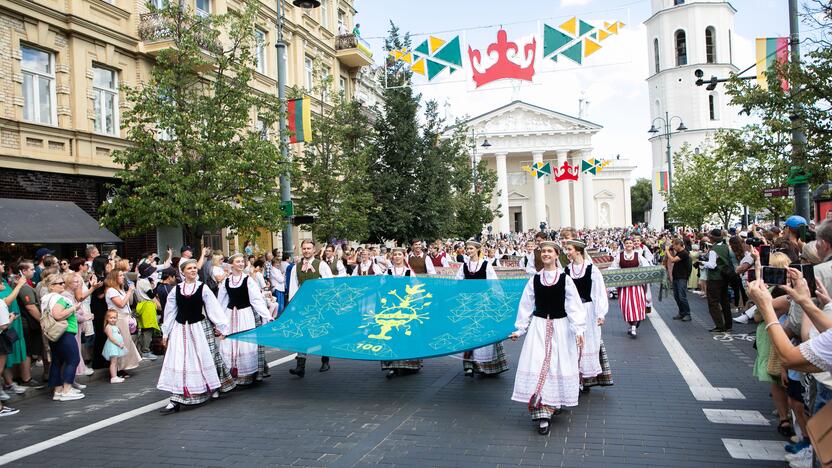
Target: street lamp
{"x": 666, "y": 121}
{"x": 285, "y": 183}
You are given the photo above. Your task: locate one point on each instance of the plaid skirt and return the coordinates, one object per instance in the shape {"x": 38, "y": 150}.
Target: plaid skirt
{"x": 603, "y": 379}
{"x": 544, "y": 412}
{"x": 493, "y": 367}
{"x": 262, "y": 366}
{"x": 226, "y": 382}
{"x": 414, "y": 364}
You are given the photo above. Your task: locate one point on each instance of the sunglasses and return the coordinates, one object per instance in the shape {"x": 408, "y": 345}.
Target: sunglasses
{"x": 54, "y": 284}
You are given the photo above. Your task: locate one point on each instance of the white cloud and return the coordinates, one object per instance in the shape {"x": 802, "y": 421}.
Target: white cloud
{"x": 571, "y": 3}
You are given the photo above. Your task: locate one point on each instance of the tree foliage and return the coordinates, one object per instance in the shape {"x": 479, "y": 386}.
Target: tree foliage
{"x": 641, "y": 199}
{"x": 195, "y": 158}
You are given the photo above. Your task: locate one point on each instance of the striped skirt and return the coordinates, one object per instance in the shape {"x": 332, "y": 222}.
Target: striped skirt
{"x": 498, "y": 364}
{"x": 411, "y": 365}
{"x": 633, "y": 302}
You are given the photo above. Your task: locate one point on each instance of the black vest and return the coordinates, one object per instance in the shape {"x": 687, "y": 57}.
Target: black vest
{"x": 584, "y": 284}
{"x": 479, "y": 274}
{"x": 237, "y": 297}
{"x": 406, "y": 272}
{"x": 550, "y": 301}
{"x": 189, "y": 308}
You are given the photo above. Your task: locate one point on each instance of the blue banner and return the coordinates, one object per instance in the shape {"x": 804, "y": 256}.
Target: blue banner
{"x": 381, "y": 318}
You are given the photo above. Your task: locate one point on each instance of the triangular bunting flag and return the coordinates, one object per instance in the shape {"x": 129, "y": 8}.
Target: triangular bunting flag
{"x": 584, "y": 27}
{"x": 613, "y": 28}
{"x": 452, "y": 69}
{"x": 594, "y": 35}
{"x": 553, "y": 40}
{"x": 419, "y": 67}
{"x": 434, "y": 68}
{"x": 590, "y": 47}
{"x": 435, "y": 43}
{"x": 570, "y": 25}
{"x": 574, "y": 53}
{"x": 607, "y": 24}
{"x": 451, "y": 52}
{"x": 397, "y": 54}
{"x": 602, "y": 34}
{"x": 408, "y": 57}
{"x": 585, "y": 166}
{"x": 423, "y": 48}
{"x": 546, "y": 169}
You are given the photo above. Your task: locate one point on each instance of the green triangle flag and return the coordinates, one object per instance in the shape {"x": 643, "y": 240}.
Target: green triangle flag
{"x": 540, "y": 174}
{"x": 574, "y": 53}
{"x": 553, "y": 40}
{"x": 423, "y": 48}
{"x": 546, "y": 169}
{"x": 450, "y": 52}
{"x": 585, "y": 166}
{"x": 434, "y": 68}
{"x": 584, "y": 28}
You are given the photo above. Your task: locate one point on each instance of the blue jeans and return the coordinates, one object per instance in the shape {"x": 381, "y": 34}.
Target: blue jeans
{"x": 65, "y": 359}
{"x": 822, "y": 397}
{"x": 281, "y": 301}
{"x": 680, "y": 294}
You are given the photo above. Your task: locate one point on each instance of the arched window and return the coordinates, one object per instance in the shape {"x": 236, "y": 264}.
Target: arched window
{"x": 681, "y": 48}
{"x": 713, "y": 106}
{"x": 656, "y": 55}
{"x": 710, "y": 45}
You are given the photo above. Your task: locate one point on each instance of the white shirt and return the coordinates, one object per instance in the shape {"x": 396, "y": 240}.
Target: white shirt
{"x": 341, "y": 271}
{"x": 113, "y": 292}
{"x": 4, "y": 313}
{"x": 215, "y": 312}
{"x": 475, "y": 267}
{"x": 277, "y": 277}
{"x": 428, "y": 263}
{"x": 325, "y": 272}
{"x": 366, "y": 266}
{"x": 575, "y": 312}
{"x": 599, "y": 290}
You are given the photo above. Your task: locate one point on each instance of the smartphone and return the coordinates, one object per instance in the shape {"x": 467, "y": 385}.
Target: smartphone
{"x": 808, "y": 271}
{"x": 774, "y": 276}
{"x": 765, "y": 254}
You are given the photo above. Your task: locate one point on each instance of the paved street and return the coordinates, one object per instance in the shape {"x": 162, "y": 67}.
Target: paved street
{"x": 353, "y": 416}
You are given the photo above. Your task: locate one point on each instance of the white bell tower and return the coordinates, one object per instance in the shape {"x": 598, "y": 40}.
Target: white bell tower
{"x": 682, "y": 36}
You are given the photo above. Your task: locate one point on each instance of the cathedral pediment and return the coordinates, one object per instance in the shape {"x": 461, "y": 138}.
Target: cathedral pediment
{"x": 522, "y": 118}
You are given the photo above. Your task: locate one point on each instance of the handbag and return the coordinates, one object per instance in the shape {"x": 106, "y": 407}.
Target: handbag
{"x": 819, "y": 428}
{"x": 11, "y": 335}
{"x": 53, "y": 329}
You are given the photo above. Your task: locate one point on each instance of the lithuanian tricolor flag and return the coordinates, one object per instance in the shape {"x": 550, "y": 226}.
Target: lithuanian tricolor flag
{"x": 661, "y": 181}
{"x": 769, "y": 50}
{"x": 299, "y": 114}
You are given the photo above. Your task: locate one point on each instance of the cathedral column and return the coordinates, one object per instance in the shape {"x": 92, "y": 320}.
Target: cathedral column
{"x": 588, "y": 194}
{"x": 502, "y": 186}
{"x": 539, "y": 193}
{"x": 563, "y": 193}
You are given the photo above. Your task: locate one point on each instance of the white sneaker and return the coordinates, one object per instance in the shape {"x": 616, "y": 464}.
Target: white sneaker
{"x": 150, "y": 356}
{"x": 89, "y": 371}
{"x": 742, "y": 318}
{"x": 78, "y": 386}
{"x": 801, "y": 456}
{"x": 71, "y": 396}
{"x": 633, "y": 330}
{"x": 57, "y": 396}
{"x": 73, "y": 391}
{"x": 4, "y": 396}
{"x": 15, "y": 388}
{"x": 116, "y": 380}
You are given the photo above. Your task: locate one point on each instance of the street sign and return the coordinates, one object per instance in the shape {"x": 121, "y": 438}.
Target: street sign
{"x": 777, "y": 192}
{"x": 287, "y": 208}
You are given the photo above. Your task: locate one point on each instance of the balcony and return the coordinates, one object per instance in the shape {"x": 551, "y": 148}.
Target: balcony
{"x": 353, "y": 51}
{"x": 156, "y": 33}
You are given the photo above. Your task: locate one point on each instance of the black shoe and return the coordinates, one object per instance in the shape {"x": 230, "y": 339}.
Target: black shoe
{"x": 678, "y": 317}
{"x": 324, "y": 367}
{"x": 543, "y": 430}
{"x": 174, "y": 409}
{"x": 586, "y": 389}
{"x": 390, "y": 374}
{"x": 298, "y": 371}
{"x": 266, "y": 374}
{"x": 716, "y": 330}
{"x": 469, "y": 372}
{"x": 686, "y": 318}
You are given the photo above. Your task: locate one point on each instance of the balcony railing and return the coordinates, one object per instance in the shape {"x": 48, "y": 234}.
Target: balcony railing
{"x": 351, "y": 41}
{"x": 155, "y": 27}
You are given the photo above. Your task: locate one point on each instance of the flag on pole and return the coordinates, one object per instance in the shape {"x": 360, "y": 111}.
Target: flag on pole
{"x": 299, "y": 114}
{"x": 769, "y": 50}
{"x": 661, "y": 181}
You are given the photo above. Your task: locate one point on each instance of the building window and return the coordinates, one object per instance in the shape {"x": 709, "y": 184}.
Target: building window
{"x": 159, "y": 4}
{"x": 678, "y": 2}
{"x": 262, "y": 130}
{"x": 325, "y": 13}
{"x": 203, "y": 7}
{"x": 656, "y": 61}
{"x": 105, "y": 100}
{"x": 681, "y": 48}
{"x": 342, "y": 23}
{"x": 730, "y": 48}
{"x": 342, "y": 86}
{"x": 307, "y": 67}
{"x": 260, "y": 49}
{"x": 710, "y": 45}
{"x": 38, "y": 85}
{"x": 713, "y": 106}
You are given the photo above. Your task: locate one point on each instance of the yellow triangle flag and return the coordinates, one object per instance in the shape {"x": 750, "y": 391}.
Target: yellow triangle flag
{"x": 419, "y": 67}
{"x": 435, "y": 44}
{"x": 408, "y": 57}
{"x": 607, "y": 24}
{"x": 602, "y": 34}
{"x": 570, "y": 26}
{"x": 590, "y": 47}
{"x": 397, "y": 54}
{"x": 614, "y": 27}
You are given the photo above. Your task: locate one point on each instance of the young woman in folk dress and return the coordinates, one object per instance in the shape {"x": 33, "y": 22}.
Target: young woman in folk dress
{"x": 365, "y": 266}
{"x": 489, "y": 360}
{"x": 398, "y": 267}
{"x": 633, "y": 299}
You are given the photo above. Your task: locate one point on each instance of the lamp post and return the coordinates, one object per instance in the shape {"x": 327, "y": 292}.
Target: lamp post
{"x": 285, "y": 183}
{"x": 666, "y": 121}
{"x": 485, "y": 144}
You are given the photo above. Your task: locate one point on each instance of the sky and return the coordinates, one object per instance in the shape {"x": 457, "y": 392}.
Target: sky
{"x": 613, "y": 79}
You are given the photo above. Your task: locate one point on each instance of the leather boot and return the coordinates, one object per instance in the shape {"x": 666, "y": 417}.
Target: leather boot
{"x": 300, "y": 367}
{"x": 324, "y": 363}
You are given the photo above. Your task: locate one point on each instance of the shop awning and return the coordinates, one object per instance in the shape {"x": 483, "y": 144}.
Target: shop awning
{"x": 49, "y": 222}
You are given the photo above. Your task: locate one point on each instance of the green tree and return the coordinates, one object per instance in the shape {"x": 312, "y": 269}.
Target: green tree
{"x": 195, "y": 158}
{"x": 641, "y": 199}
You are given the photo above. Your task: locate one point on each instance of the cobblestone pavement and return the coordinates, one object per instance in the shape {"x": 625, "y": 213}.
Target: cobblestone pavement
{"x": 353, "y": 416}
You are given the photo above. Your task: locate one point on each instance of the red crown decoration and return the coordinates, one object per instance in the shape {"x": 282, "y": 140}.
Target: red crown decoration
{"x": 503, "y": 67}
{"x": 567, "y": 172}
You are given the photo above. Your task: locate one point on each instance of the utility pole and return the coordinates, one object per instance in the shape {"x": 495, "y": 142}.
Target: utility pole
{"x": 285, "y": 183}
{"x": 801, "y": 188}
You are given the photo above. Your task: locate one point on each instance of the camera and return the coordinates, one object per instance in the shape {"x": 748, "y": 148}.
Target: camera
{"x": 754, "y": 242}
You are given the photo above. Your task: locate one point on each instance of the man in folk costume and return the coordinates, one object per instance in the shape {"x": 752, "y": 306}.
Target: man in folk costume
{"x": 336, "y": 266}
{"x": 489, "y": 360}
{"x": 528, "y": 261}
{"x": 366, "y": 266}
{"x": 550, "y": 310}
{"x": 243, "y": 302}
{"x": 398, "y": 267}
{"x": 595, "y": 366}
{"x": 539, "y": 238}
{"x": 307, "y": 269}
{"x": 193, "y": 370}
{"x": 419, "y": 261}
{"x": 438, "y": 256}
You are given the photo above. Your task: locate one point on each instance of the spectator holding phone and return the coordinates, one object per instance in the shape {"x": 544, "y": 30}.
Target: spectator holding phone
{"x": 678, "y": 255}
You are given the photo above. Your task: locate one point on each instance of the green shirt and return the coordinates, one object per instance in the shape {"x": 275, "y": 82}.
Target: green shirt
{"x": 71, "y": 320}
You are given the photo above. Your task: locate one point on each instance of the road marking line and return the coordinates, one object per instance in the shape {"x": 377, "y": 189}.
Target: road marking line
{"x": 730, "y": 416}
{"x": 697, "y": 382}
{"x": 755, "y": 449}
{"x": 80, "y": 432}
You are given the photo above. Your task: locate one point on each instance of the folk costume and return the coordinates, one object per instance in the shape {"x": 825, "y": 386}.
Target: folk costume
{"x": 336, "y": 267}
{"x": 193, "y": 370}
{"x": 307, "y": 269}
{"x": 421, "y": 264}
{"x": 440, "y": 260}
{"x": 489, "y": 360}
{"x": 589, "y": 282}
{"x": 368, "y": 268}
{"x": 407, "y": 366}
{"x": 242, "y": 301}
{"x": 633, "y": 299}
{"x": 548, "y": 377}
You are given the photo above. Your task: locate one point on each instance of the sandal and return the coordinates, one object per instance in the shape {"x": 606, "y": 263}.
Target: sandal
{"x": 785, "y": 428}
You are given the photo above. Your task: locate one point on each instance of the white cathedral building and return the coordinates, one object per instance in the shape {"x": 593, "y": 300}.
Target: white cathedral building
{"x": 682, "y": 36}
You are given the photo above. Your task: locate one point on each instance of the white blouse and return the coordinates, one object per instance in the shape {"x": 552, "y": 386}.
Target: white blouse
{"x": 575, "y": 312}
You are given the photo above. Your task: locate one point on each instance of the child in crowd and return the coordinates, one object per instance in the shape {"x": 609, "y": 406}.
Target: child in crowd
{"x": 114, "y": 348}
